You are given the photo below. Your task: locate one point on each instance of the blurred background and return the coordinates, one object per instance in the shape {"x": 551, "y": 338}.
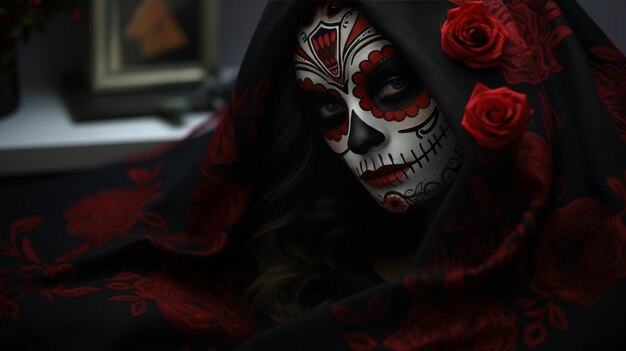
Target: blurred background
{"x": 64, "y": 45}
{"x": 60, "y": 126}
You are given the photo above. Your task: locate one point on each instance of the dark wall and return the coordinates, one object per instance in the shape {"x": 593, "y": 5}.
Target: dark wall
{"x": 610, "y": 16}
{"x": 64, "y": 45}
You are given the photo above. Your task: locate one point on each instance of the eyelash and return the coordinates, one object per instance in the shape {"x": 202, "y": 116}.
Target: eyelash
{"x": 331, "y": 111}
{"x": 335, "y": 115}
{"x": 332, "y": 117}
{"x": 389, "y": 82}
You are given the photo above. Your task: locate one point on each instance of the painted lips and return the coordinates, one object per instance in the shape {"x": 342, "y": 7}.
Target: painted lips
{"x": 385, "y": 175}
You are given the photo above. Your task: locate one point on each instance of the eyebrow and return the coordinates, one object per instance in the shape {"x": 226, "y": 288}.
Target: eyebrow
{"x": 389, "y": 65}
{"x": 320, "y": 88}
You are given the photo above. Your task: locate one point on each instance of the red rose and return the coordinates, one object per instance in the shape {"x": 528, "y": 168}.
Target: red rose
{"x": 477, "y": 323}
{"x": 99, "y": 218}
{"x": 581, "y": 253}
{"x": 473, "y": 35}
{"x": 496, "y": 117}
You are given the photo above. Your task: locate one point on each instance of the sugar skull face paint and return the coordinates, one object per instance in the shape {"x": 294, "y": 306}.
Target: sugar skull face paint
{"x": 372, "y": 110}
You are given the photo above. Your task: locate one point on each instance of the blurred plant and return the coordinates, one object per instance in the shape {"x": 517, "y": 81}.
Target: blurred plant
{"x": 18, "y": 18}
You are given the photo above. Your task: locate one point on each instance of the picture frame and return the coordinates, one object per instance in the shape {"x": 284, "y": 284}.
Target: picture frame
{"x": 144, "y": 44}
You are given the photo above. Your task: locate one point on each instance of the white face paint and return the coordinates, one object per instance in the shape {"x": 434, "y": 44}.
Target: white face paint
{"x": 372, "y": 110}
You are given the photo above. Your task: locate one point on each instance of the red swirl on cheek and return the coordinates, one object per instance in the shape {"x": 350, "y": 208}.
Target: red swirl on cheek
{"x": 342, "y": 129}
{"x": 374, "y": 58}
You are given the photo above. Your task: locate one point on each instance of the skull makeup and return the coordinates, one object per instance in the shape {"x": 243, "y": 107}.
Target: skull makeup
{"x": 372, "y": 110}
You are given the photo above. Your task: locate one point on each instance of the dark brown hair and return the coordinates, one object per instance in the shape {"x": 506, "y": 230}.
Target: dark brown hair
{"x": 300, "y": 237}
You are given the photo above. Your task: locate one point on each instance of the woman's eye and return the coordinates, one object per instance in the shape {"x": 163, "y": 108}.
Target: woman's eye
{"x": 392, "y": 86}
{"x": 329, "y": 109}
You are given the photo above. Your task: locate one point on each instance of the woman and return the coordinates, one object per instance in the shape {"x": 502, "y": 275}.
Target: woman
{"x": 521, "y": 247}
{"x": 514, "y": 222}
{"x": 404, "y": 162}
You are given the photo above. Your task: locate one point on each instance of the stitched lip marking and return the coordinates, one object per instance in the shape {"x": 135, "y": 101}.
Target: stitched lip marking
{"x": 388, "y": 174}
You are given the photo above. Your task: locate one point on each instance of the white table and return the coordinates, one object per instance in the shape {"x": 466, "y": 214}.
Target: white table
{"x": 40, "y": 137}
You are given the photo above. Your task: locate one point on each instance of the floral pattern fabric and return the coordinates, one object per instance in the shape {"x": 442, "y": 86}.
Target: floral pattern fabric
{"x": 528, "y": 252}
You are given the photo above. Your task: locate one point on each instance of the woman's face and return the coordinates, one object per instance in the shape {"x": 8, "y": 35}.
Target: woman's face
{"x": 372, "y": 110}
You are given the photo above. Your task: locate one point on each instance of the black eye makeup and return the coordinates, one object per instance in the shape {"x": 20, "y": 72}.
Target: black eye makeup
{"x": 391, "y": 86}
{"x": 327, "y": 110}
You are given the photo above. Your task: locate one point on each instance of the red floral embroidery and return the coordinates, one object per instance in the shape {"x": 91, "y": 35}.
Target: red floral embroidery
{"x": 111, "y": 213}
{"x": 223, "y": 147}
{"x": 532, "y": 173}
{"x": 374, "y": 58}
{"x": 617, "y": 186}
{"x": 528, "y": 54}
{"x": 477, "y": 323}
{"x": 227, "y": 203}
{"x": 188, "y": 302}
{"x": 551, "y": 119}
{"x": 330, "y": 134}
{"x": 481, "y": 231}
{"x": 608, "y": 53}
{"x": 582, "y": 252}
{"x": 17, "y": 283}
{"x": 107, "y": 214}
{"x": 19, "y": 228}
{"x": 511, "y": 247}
{"x": 359, "y": 341}
{"x": 611, "y": 84}
{"x": 8, "y": 301}
{"x": 473, "y": 35}
{"x": 496, "y": 117}
{"x": 347, "y": 315}
{"x": 219, "y": 200}
{"x": 536, "y": 332}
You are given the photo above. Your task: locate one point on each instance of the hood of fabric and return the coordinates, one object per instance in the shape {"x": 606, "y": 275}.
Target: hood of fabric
{"x": 521, "y": 185}
{"x": 526, "y": 251}
{"x": 516, "y": 179}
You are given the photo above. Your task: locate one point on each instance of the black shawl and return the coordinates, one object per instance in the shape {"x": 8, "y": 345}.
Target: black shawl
{"x": 527, "y": 251}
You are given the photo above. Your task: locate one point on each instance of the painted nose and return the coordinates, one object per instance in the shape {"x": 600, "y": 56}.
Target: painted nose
{"x": 362, "y": 137}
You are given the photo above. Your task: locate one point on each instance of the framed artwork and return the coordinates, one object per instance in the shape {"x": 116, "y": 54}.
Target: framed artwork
{"x": 139, "y": 44}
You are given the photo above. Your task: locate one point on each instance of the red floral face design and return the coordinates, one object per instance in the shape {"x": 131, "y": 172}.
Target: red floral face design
{"x": 368, "y": 103}
{"x": 333, "y": 131}
{"x": 372, "y": 109}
